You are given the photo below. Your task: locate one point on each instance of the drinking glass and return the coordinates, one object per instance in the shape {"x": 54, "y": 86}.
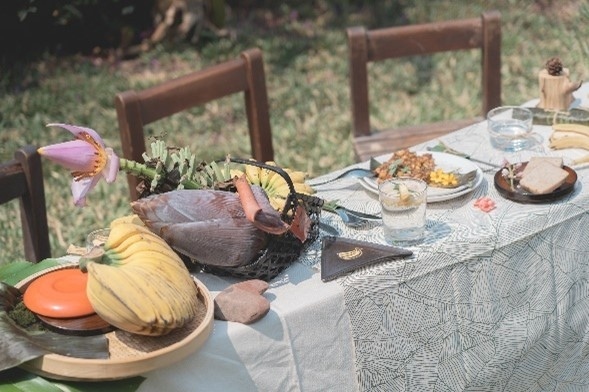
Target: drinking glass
{"x": 510, "y": 128}
{"x": 403, "y": 203}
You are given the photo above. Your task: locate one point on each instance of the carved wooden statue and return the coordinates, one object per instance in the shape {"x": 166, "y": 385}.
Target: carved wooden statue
{"x": 556, "y": 89}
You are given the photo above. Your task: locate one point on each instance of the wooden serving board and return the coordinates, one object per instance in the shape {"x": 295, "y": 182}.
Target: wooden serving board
{"x": 131, "y": 354}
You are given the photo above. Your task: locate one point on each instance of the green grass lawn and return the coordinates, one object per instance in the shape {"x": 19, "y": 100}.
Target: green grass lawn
{"x": 306, "y": 67}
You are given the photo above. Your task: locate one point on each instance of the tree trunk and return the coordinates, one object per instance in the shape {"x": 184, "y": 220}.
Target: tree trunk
{"x": 556, "y": 92}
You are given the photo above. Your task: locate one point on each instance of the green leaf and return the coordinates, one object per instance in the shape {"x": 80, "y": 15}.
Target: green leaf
{"x": 126, "y": 385}
{"x": 14, "y": 272}
{"x": 19, "y": 380}
{"x": 442, "y": 147}
{"x": 330, "y": 205}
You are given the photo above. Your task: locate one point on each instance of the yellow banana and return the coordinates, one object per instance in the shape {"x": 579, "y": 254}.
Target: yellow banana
{"x": 121, "y": 232}
{"x": 301, "y": 187}
{"x": 583, "y": 159}
{"x": 575, "y": 128}
{"x": 252, "y": 174}
{"x": 157, "y": 258}
{"x": 276, "y": 182}
{"x": 281, "y": 190}
{"x": 562, "y": 134}
{"x": 104, "y": 291}
{"x": 143, "y": 243}
{"x": 296, "y": 176}
{"x": 266, "y": 175}
{"x": 111, "y": 310}
{"x": 143, "y": 286}
{"x": 570, "y": 142}
{"x": 236, "y": 173}
{"x": 127, "y": 219}
{"x": 154, "y": 313}
{"x": 134, "y": 243}
{"x": 181, "y": 299}
{"x": 277, "y": 203}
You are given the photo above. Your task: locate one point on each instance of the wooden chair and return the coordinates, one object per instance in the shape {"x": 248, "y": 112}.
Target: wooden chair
{"x": 135, "y": 109}
{"x": 367, "y": 46}
{"x": 22, "y": 178}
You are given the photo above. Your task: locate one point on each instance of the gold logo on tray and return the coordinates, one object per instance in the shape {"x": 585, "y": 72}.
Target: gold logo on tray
{"x": 351, "y": 254}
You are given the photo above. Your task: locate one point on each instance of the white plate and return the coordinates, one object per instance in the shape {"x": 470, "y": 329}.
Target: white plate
{"x": 447, "y": 162}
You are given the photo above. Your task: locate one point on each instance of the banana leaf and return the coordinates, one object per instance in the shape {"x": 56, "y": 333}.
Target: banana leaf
{"x": 18, "y": 344}
{"x": 549, "y": 117}
{"x": 12, "y": 273}
{"x": 18, "y": 380}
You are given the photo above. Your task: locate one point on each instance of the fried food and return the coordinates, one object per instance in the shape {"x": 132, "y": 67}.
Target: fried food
{"x": 405, "y": 163}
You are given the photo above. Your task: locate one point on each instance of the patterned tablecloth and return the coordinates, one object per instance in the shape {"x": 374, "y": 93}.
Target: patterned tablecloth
{"x": 493, "y": 301}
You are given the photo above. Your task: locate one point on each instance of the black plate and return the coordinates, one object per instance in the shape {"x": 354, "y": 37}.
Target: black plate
{"x": 522, "y": 196}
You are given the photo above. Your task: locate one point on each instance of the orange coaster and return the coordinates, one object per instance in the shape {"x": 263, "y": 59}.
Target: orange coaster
{"x": 59, "y": 294}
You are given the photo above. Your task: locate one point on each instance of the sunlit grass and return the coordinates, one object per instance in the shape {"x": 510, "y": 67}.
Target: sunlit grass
{"x": 306, "y": 67}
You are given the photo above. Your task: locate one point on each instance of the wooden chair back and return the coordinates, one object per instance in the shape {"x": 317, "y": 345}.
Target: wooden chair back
{"x": 22, "y": 178}
{"x": 365, "y": 46}
{"x": 135, "y": 109}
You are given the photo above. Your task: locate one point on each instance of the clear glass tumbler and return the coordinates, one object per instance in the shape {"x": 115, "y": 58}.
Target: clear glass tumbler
{"x": 403, "y": 203}
{"x": 510, "y": 128}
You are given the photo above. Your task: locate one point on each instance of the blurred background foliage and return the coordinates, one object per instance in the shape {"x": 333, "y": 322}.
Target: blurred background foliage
{"x": 64, "y": 61}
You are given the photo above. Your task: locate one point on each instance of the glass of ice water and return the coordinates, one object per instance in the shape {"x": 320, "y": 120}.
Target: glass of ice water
{"x": 510, "y": 128}
{"x": 403, "y": 202}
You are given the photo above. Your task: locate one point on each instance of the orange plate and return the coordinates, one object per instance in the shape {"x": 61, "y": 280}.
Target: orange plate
{"x": 59, "y": 294}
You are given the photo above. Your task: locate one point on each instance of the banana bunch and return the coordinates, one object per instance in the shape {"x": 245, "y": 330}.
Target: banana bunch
{"x": 134, "y": 218}
{"x": 569, "y": 136}
{"x": 274, "y": 184}
{"x": 139, "y": 284}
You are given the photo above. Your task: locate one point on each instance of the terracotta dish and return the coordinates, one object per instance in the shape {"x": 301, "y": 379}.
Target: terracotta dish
{"x": 59, "y": 294}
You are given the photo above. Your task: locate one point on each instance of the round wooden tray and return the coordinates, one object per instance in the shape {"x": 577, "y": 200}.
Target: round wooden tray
{"x": 504, "y": 188}
{"x": 130, "y": 354}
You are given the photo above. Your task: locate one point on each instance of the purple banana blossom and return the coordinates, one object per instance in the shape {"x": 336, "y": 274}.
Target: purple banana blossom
{"x": 87, "y": 158}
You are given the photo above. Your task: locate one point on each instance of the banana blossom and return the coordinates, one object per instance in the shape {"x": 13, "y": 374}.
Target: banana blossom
{"x": 87, "y": 158}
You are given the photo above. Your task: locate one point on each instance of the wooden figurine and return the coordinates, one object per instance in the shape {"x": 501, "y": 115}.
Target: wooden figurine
{"x": 556, "y": 89}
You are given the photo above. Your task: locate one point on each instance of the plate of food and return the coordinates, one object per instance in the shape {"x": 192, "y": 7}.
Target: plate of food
{"x": 539, "y": 180}
{"x": 448, "y": 176}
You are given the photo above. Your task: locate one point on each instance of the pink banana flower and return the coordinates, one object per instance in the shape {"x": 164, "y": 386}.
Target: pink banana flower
{"x": 87, "y": 158}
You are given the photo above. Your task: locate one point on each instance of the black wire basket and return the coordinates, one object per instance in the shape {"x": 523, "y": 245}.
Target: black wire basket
{"x": 282, "y": 250}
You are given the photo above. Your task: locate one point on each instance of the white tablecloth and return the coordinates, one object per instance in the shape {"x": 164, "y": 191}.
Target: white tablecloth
{"x": 489, "y": 302}
{"x": 303, "y": 344}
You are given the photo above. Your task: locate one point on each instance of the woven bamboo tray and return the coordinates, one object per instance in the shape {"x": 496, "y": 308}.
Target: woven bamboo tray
{"x": 130, "y": 354}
